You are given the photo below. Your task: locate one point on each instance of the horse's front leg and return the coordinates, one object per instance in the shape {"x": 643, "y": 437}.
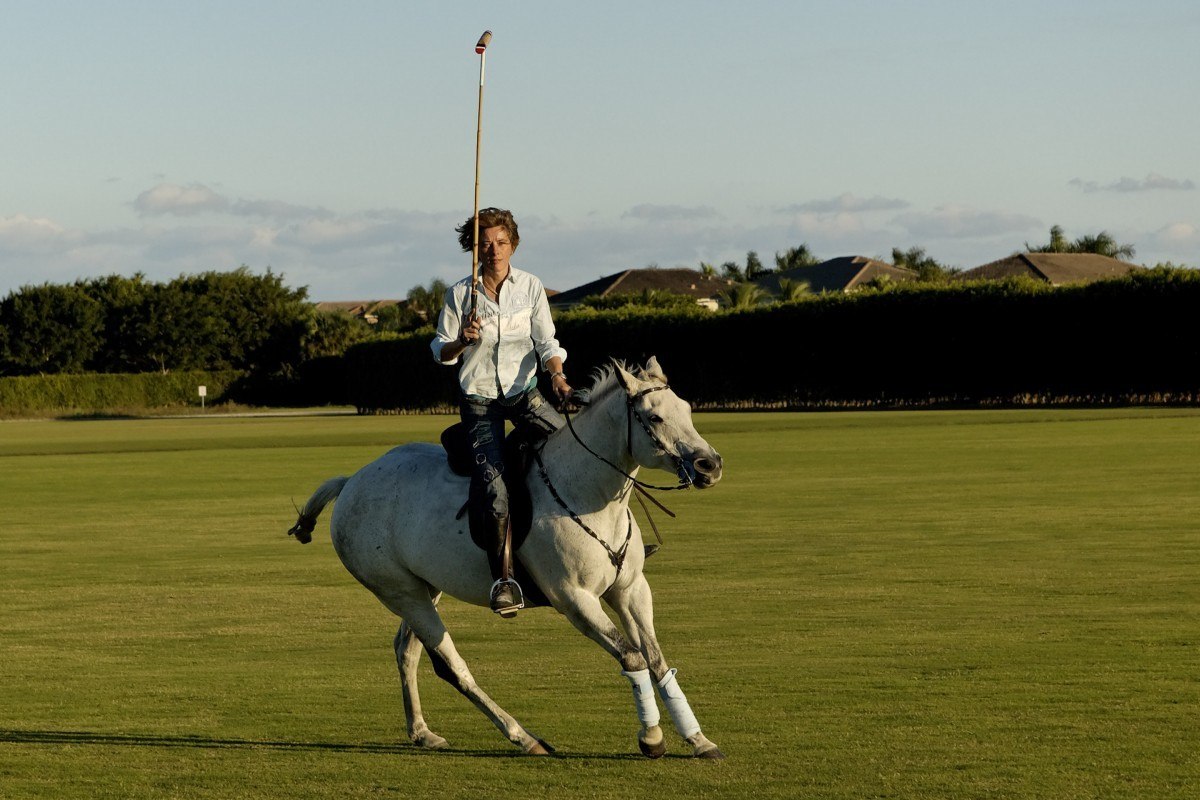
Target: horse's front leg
{"x": 634, "y": 607}
{"x": 586, "y": 614}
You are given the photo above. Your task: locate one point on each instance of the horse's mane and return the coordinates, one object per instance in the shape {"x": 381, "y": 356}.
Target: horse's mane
{"x": 604, "y": 378}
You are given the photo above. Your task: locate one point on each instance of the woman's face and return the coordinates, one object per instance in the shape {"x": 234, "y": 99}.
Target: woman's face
{"x": 495, "y": 249}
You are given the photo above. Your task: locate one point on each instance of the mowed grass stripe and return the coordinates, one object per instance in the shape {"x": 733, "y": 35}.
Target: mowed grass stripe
{"x": 931, "y": 604}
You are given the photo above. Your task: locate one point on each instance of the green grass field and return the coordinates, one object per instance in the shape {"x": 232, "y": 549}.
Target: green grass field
{"x": 870, "y": 605}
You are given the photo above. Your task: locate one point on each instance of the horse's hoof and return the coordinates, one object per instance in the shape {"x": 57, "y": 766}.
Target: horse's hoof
{"x": 430, "y": 741}
{"x": 539, "y": 748}
{"x": 714, "y": 754}
{"x": 657, "y": 750}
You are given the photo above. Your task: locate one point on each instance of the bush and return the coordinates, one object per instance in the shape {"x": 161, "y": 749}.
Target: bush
{"x": 57, "y": 394}
{"x": 397, "y": 372}
{"x": 1126, "y": 340}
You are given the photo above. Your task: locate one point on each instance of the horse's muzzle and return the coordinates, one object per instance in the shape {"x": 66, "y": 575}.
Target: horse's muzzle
{"x": 706, "y": 470}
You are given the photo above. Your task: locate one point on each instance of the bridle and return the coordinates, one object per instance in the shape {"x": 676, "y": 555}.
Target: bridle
{"x": 631, "y": 413}
{"x": 617, "y": 557}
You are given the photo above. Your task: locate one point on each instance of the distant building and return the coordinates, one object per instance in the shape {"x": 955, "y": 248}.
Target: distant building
{"x": 843, "y": 274}
{"x": 1053, "y": 268}
{"x": 367, "y": 310}
{"x": 678, "y": 280}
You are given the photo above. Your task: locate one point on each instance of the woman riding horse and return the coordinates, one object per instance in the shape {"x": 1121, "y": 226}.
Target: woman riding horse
{"x": 499, "y": 348}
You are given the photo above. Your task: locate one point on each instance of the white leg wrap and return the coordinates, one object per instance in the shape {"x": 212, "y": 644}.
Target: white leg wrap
{"x": 643, "y": 696}
{"x": 677, "y": 705}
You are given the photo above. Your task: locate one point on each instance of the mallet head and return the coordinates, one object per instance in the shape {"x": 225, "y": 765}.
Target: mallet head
{"x": 482, "y": 44}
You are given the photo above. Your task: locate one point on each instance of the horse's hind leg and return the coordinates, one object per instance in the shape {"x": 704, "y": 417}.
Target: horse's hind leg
{"x": 635, "y": 609}
{"x": 424, "y": 622}
{"x": 408, "y": 655}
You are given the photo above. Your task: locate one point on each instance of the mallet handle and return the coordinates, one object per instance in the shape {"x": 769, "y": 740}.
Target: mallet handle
{"x": 481, "y": 49}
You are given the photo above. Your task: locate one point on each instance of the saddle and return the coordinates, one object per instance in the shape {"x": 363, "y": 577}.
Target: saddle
{"x": 518, "y": 457}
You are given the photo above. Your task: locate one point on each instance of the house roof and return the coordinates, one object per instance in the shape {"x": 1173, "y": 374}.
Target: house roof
{"x": 838, "y": 274}
{"x": 675, "y": 280}
{"x": 1054, "y": 268}
{"x": 357, "y": 308}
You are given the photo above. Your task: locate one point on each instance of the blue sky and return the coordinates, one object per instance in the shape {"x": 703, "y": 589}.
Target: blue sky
{"x": 334, "y": 143}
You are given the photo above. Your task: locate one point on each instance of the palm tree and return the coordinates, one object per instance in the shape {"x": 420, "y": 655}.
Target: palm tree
{"x": 927, "y": 269}
{"x": 754, "y": 266}
{"x": 732, "y": 271}
{"x": 427, "y": 302}
{"x": 1104, "y": 244}
{"x": 796, "y": 257}
{"x": 743, "y": 295}
{"x": 791, "y": 291}
{"x": 1101, "y": 244}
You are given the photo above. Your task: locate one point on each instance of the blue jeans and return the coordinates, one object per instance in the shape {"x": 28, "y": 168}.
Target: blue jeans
{"x": 484, "y": 419}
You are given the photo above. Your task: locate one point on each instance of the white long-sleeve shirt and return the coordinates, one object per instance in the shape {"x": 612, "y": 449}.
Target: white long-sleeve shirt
{"x": 517, "y": 334}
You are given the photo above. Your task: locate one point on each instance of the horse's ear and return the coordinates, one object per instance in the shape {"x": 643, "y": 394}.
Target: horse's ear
{"x": 628, "y": 381}
{"x": 653, "y": 370}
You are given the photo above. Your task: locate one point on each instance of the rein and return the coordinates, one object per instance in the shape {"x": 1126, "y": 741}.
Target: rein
{"x": 617, "y": 557}
{"x": 685, "y": 480}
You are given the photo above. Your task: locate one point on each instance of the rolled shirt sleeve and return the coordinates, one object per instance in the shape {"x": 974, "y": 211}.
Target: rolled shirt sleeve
{"x": 449, "y": 326}
{"x": 541, "y": 329}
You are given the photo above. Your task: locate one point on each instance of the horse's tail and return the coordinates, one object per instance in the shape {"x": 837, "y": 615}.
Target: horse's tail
{"x": 325, "y": 494}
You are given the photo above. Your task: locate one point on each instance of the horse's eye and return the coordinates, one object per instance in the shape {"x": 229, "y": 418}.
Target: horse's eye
{"x": 655, "y": 418}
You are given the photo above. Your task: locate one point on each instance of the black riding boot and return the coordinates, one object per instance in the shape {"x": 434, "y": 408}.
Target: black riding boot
{"x": 506, "y": 598}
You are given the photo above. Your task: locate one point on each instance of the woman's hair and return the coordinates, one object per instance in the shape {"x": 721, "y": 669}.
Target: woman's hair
{"x": 488, "y": 218}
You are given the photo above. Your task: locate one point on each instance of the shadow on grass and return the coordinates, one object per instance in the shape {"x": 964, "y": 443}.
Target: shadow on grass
{"x": 205, "y": 742}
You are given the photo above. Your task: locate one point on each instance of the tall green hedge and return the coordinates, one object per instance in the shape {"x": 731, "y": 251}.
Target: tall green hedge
{"x": 398, "y": 373}
{"x": 94, "y": 393}
{"x": 1132, "y": 339}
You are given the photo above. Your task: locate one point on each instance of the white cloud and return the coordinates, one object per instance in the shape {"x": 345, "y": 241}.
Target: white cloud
{"x": 24, "y": 234}
{"x": 180, "y": 201}
{"x": 1179, "y": 232}
{"x": 848, "y": 203}
{"x": 955, "y": 221}
{"x": 278, "y": 210}
{"x": 383, "y": 252}
{"x": 1152, "y": 182}
{"x": 836, "y": 226}
{"x": 649, "y": 212}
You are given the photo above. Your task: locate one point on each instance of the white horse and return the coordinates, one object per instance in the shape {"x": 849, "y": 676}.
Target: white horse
{"x": 395, "y": 529}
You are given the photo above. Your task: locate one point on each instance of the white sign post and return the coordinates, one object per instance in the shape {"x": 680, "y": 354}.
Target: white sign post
{"x": 203, "y": 394}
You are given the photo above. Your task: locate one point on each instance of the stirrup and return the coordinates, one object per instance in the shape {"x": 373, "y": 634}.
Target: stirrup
{"x": 509, "y": 610}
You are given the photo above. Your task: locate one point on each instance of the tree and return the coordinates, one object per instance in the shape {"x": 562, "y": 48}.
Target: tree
{"x": 397, "y": 318}
{"x": 732, "y": 271}
{"x": 792, "y": 291}
{"x": 123, "y": 301}
{"x": 796, "y": 257}
{"x": 427, "y": 302}
{"x": 1101, "y": 244}
{"x": 330, "y": 333}
{"x": 707, "y": 270}
{"x": 754, "y": 266}
{"x": 928, "y": 270}
{"x": 743, "y": 295}
{"x": 49, "y": 329}
{"x": 1104, "y": 244}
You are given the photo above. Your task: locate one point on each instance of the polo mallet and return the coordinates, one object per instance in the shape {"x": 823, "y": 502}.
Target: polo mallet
{"x": 481, "y": 50}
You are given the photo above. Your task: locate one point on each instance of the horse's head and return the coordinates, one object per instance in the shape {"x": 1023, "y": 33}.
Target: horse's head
{"x": 661, "y": 434}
